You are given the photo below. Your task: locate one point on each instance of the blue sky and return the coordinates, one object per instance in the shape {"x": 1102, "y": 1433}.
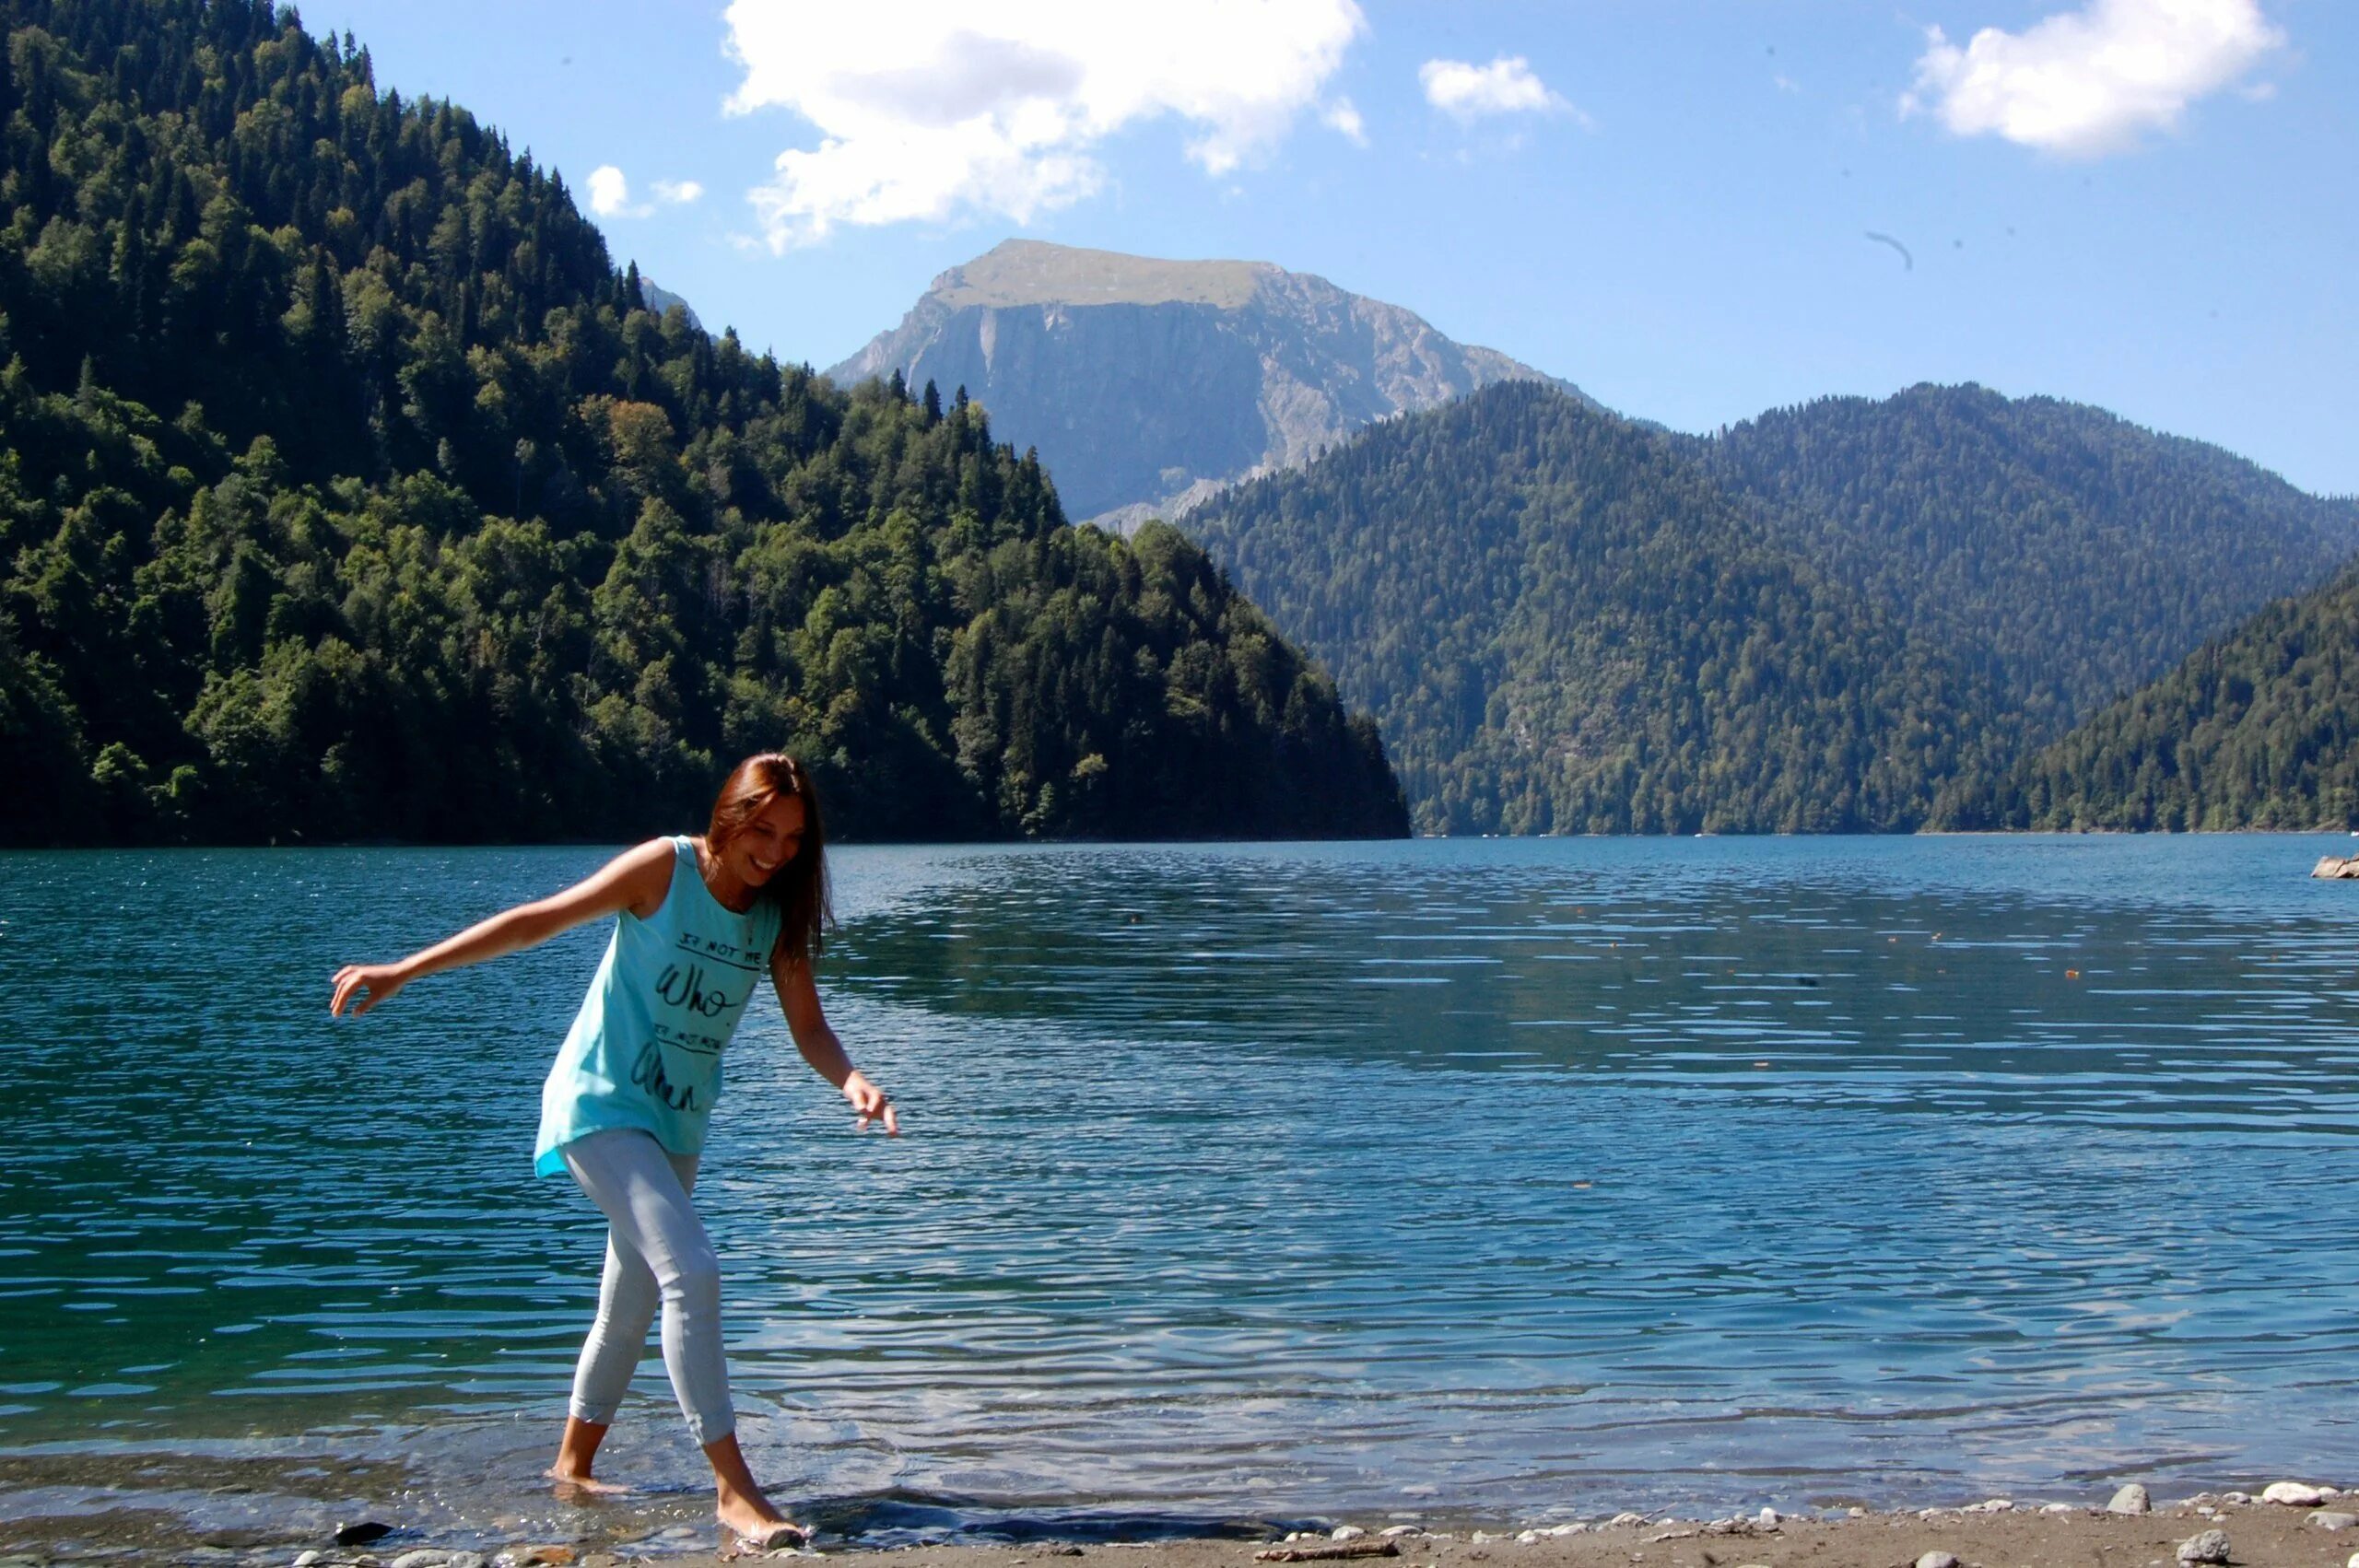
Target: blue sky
{"x": 2146, "y": 205}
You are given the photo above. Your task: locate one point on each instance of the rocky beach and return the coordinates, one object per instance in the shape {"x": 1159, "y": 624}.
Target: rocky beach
{"x": 2292, "y": 1523}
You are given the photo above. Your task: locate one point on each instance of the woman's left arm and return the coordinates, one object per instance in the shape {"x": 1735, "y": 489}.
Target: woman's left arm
{"x": 798, "y": 994}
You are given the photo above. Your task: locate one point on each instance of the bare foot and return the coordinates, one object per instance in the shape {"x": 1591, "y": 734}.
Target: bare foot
{"x": 758, "y": 1527}
{"x": 576, "y": 1488}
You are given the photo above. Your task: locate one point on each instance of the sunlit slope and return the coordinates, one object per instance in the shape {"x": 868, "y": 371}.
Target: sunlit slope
{"x": 347, "y": 490}
{"x": 1564, "y": 624}
{"x": 2257, "y": 730}
{"x": 2076, "y": 555}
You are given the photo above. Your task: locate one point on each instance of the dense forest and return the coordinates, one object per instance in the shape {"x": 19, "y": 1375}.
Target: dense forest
{"x": 348, "y": 490}
{"x": 2259, "y": 729}
{"x": 2073, "y": 554}
{"x": 1850, "y": 616}
{"x": 1566, "y": 625}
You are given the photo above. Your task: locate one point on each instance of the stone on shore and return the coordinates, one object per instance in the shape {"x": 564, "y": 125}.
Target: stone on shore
{"x": 2130, "y": 1499}
{"x": 2293, "y": 1493}
{"x": 1627, "y": 1518}
{"x": 1938, "y": 1560}
{"x": 2328, "y": 1520}
{"x": 1394, "y": 1532}
{"x": 2211, "y": 1546}
{"x": 1346, "y": 1532}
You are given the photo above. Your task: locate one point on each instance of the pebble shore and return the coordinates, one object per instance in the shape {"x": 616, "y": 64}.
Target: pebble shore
{"x": 2299, "y": 1523}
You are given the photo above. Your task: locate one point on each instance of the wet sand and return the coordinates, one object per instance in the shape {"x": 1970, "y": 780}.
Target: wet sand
{"x": 2022, "y": 1535}
{"x": 2087, "y": 1538}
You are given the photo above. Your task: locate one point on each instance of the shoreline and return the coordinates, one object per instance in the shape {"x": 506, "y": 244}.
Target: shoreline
{"x": 2318, "y": 1529}
{"x": 297, "y": 842}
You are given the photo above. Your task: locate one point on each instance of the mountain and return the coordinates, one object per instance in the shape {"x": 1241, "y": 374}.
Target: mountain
{"x": 1852, "y": 615}
{"x": 659, "y": 299}
{"x": 1146, "y": 384}
{"x": 1564, "y": 622}
{"x": 347, "y": 490}
{"x": 2073, "y": 554}
{"x": 2258, "y": 728}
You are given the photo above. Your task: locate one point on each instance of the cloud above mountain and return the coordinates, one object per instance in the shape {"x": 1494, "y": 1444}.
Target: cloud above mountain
{"x": 1506, "y": 86}
{"x": 931, "y": 110}
{"x": 2088, "y": 82}
{"x": 610, "y": 193}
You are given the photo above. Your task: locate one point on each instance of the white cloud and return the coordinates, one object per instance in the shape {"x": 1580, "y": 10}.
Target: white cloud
{"x": 1342, "y": 116}
{"x": 1506, "y": 85}
{"x": 930, "y": 108}
{"x": 609, "y": 192}
{"x": 2085, "y": 83}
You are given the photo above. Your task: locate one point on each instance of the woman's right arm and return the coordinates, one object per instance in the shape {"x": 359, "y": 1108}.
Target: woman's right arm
{"x": 636, "y": 879}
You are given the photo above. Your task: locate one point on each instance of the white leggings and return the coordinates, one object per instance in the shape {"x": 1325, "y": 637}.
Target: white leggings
{"x": 657, "y": 1254}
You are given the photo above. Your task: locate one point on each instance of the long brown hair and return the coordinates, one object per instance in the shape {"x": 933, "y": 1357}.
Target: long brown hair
{"x": 800, "y": 887}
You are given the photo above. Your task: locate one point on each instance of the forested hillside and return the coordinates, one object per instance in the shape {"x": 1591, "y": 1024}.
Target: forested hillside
{"x": 1564, "y": 624}
{"x": 2073, "y": 553}
{"x": 2259, "y": 729}
{"x": 347, "y": 489}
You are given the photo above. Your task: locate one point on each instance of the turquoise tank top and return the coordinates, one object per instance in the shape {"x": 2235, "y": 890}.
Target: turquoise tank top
{"x": 645, "y": 1049}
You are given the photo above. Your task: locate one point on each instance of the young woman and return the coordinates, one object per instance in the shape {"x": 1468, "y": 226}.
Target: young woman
{"x": 624, "y": 1107}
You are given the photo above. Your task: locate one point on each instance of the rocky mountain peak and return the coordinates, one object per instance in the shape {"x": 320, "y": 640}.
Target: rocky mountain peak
{"x": 1148, "y": 384}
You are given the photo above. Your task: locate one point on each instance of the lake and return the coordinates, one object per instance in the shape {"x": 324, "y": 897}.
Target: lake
{"x": 1509, "y": 1180}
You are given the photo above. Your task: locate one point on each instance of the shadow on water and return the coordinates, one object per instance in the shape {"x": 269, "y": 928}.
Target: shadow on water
{"x": 904, "y": 1518}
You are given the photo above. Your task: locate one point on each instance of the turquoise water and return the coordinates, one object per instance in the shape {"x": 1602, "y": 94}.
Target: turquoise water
{"x": 1517, "y": 1179}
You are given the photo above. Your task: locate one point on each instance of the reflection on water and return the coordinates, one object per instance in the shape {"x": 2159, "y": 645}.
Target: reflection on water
{"x": 1241, "y": 1182}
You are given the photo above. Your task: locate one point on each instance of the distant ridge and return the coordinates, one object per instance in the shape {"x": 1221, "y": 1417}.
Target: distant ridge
{"x": 1853, "y": 616}
{"x": 2075, "y": 554}
{"x": 1032, "y": 272}
{"x": 658, "y": 299}
{"x": 1147, "y": 383}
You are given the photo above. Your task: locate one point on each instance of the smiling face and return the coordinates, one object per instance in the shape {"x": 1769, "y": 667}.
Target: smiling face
{"x": 768, "y": 842}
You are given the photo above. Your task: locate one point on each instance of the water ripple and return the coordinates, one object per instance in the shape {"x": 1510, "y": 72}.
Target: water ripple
{"x": 1241, "y": 1180}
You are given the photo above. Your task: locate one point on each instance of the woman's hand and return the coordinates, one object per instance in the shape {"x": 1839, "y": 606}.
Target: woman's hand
{"x": 638, "y": 879}
{"x": 378, "y": 980}
{"x": 872, "y": 1104}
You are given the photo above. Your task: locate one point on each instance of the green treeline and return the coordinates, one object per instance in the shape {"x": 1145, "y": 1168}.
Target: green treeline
{"x": 2259, "y": 729}
{"x": 347, "y": 490}
{"x": 1566, "y": 625}
{"x": 2073, "y": 554}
